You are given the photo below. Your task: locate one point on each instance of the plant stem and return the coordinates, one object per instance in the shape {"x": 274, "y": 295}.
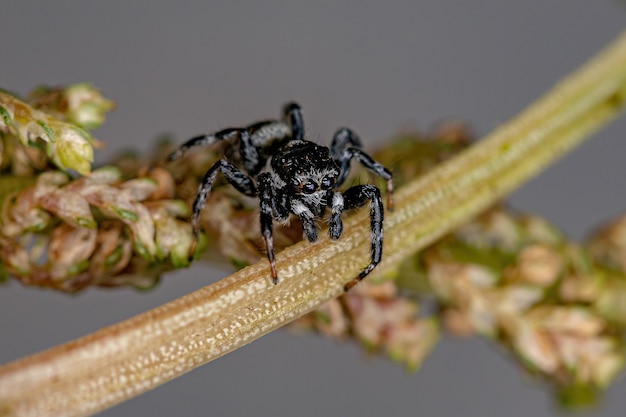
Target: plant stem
{"x": 121, "y": 361}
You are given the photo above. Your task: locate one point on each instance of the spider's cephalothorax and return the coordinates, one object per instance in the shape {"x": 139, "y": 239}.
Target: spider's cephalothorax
{"x": 272, "y": 161}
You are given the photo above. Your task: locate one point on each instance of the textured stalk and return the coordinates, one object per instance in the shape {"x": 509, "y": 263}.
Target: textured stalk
{"x": 124, "y": 360}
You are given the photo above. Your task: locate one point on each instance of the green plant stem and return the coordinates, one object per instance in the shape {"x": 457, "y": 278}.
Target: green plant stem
{"x": 121, "y": 361}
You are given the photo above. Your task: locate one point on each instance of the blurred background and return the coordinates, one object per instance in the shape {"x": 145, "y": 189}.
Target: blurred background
{"x": 379, "y": 67}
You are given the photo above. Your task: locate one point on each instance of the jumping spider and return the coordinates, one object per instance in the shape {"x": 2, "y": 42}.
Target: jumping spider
{"x": 272, "y": 161}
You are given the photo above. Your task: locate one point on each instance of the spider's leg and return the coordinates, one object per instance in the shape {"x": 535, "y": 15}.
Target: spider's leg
{"x": 252, "y": 162}
{"x": 355, "y": 197}
{"x": 335, "y": 226}
{"x": 242, "y": 182}
{"x": 203, "y": 140}
{"x": 293, "y": 116}
{"x": 376, "y": 168}
{"x": 342, "y": 153}
{"x": 265, "y": 200}
{"x": 342, "y": 139}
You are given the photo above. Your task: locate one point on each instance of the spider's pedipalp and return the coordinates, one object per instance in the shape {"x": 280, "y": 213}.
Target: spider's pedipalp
{"x": 309, "y": 226}
{"x": 335, "y": 224}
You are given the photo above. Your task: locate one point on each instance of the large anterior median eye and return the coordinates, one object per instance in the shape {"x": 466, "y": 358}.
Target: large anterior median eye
{"x": 327, "y": 183}
{"x": 309, "y": 187}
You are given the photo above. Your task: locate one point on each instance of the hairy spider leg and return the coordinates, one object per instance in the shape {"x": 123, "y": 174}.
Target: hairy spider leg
{"x": 238, "y": 179}
{"x": 252, "y": 138}
{"x": 342, "y": 154}
{"x": 293, "y": 116}
{"x": 203, "y": 140}
{"x": 342, "y": 140}
{"x": 355, "y": 197}
{"x": 252, "y": 162}
{"x": 266, "y": 199}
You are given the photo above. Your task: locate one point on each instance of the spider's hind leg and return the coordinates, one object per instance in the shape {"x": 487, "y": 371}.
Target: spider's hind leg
{"x": 203, "y": 140}
{"x": 293, "y": 116}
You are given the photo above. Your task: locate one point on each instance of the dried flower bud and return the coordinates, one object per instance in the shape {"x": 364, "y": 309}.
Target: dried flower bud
{"x": 81, "y": 104}
{"x": 72, "y": 150}
{"x": 536, "y": 264}
{"x": 381, "y": 320}
{"x": 569, "y": 344}
{"x": 67, "y": 145}
{"x": 580, "y": 288}
{"x": 69, "y": 250}
{"x": 608, "y": 245}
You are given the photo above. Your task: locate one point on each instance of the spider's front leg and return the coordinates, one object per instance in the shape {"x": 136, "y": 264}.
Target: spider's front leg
{"x": 355, "y": 197}
{"x": 269, "y": 207}
{"x": 347, "y": 145}
{"x": 266, "y": 198}
{"x": 242, "y": 182}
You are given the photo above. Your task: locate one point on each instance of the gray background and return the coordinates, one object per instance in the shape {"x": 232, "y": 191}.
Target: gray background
{"x": 191, "y": 67}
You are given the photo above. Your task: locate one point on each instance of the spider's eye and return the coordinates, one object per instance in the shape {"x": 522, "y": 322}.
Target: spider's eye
{"x": 327, "y": 183}
{"x": 309, "y": 187}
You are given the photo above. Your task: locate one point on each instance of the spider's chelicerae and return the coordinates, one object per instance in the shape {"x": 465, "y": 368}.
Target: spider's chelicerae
{"x": 272, "y": 161}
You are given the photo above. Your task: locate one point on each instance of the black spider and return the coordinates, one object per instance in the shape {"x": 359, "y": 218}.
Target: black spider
{"x": 292, "y": 175}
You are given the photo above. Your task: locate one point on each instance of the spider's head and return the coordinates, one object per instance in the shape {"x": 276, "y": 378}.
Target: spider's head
{"x": 307, "y": 168}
